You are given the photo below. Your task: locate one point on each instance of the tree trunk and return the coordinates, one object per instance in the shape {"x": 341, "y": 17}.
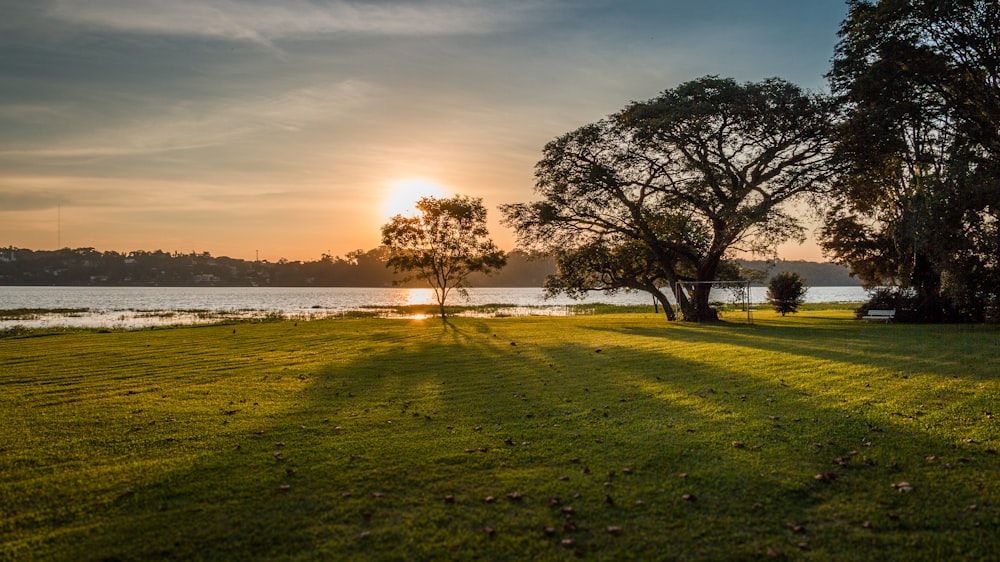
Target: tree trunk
{"x": 668, "y": 309}
{"x": 441, "y": 294}
{"x": 927, "y": 281}
{"x": 699, "y": 309}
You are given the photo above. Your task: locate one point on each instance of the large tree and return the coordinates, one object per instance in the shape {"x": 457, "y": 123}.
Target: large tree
{"x": 445, "y": 242}
{"x": 668, "y": 190}
{"x": 918, "y": 204}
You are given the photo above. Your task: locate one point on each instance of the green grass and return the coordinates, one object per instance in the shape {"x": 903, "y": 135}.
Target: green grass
{"x": 381, "y": 439}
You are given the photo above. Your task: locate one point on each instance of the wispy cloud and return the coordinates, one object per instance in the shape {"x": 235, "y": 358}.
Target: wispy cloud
{"x": 263, "y": 21}
{"x": 187, "y": 125}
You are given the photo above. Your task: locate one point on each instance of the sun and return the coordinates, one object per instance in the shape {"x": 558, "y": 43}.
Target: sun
{"x": 402, "y": 195}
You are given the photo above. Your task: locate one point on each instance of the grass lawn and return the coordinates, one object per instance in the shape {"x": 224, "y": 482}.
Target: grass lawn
{"x": 612, "y": 436}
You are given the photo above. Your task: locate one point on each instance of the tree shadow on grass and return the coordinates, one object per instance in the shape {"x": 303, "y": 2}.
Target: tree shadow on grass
{"x": 393, "y": 454}
{"x": 917, "y": 348}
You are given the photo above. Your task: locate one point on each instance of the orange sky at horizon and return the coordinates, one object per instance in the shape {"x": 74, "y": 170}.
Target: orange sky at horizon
{"x": 295, "y": 128}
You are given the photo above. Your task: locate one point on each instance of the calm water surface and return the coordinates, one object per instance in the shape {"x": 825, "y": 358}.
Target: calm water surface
{"x": 134, "y": 307}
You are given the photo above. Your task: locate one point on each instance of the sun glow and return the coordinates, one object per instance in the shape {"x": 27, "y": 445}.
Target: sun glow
{"x": 402, "y": 196}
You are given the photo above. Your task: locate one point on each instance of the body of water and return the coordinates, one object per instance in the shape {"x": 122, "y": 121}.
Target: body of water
{"x": 136, "y": 307}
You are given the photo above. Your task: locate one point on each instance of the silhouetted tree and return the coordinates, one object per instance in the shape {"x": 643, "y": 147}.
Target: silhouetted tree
{"x": 786, "y": 292}
{"x": 445, "y": 242}
{"x": 669, "y": 189}
{"x": 919, "y": 204}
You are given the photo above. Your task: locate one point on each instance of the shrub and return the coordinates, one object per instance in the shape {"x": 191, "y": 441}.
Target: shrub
{"x": 786, "y": 292}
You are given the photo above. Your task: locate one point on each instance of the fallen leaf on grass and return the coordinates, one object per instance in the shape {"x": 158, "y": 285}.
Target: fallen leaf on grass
{"x": 615, "y": 530}
{"x": 490, "y": 531}
{"x": 515, "y": 496}
{"x": 688, "y": 497}
{"x": 284, "y": 487}
{"x": 903, "y": 487}
{"x": 364, "y": 535}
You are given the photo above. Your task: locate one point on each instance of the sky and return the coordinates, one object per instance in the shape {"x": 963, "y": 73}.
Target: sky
{"x": 294, "y": 128}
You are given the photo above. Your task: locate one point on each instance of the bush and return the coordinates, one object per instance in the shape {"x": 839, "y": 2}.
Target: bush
{"x": 786, "y": 292}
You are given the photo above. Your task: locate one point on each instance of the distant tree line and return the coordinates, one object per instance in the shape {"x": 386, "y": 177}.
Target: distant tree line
{"x": 360, "y": 268}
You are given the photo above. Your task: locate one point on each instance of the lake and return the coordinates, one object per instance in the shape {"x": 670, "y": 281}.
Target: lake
{"x": 137, "y": 307}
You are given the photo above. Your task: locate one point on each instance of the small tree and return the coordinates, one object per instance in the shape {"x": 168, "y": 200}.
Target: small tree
{"x": 443, "y": 244}
{"x": 786, "y": 292}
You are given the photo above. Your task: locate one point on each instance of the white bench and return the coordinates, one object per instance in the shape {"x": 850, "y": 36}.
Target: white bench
{"x": 883, "y": 315}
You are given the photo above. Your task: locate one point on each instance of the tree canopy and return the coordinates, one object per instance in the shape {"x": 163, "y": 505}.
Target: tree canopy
{"x": 917, "y": 205}
{"x": 668, "y": 189}
{"x": 443, "y": 244}
{"x": 786, "y": 292}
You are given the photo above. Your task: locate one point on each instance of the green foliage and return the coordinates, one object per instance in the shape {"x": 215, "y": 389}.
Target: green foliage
{"x": 917, "y": 205}
{"x": 383, "y": 440}
{"x": 666, "y": 189}
{"x": 443, "y": 244}
{"x": 786, "y": 292}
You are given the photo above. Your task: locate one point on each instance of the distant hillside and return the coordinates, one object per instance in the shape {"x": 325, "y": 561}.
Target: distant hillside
{"x": 816, "y": 274}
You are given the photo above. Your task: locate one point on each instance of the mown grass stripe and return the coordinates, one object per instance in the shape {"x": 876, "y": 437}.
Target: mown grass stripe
{"x": 341, "y": 439}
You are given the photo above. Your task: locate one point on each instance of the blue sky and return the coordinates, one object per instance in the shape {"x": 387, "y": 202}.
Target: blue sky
{"x": 289, "y": 127}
